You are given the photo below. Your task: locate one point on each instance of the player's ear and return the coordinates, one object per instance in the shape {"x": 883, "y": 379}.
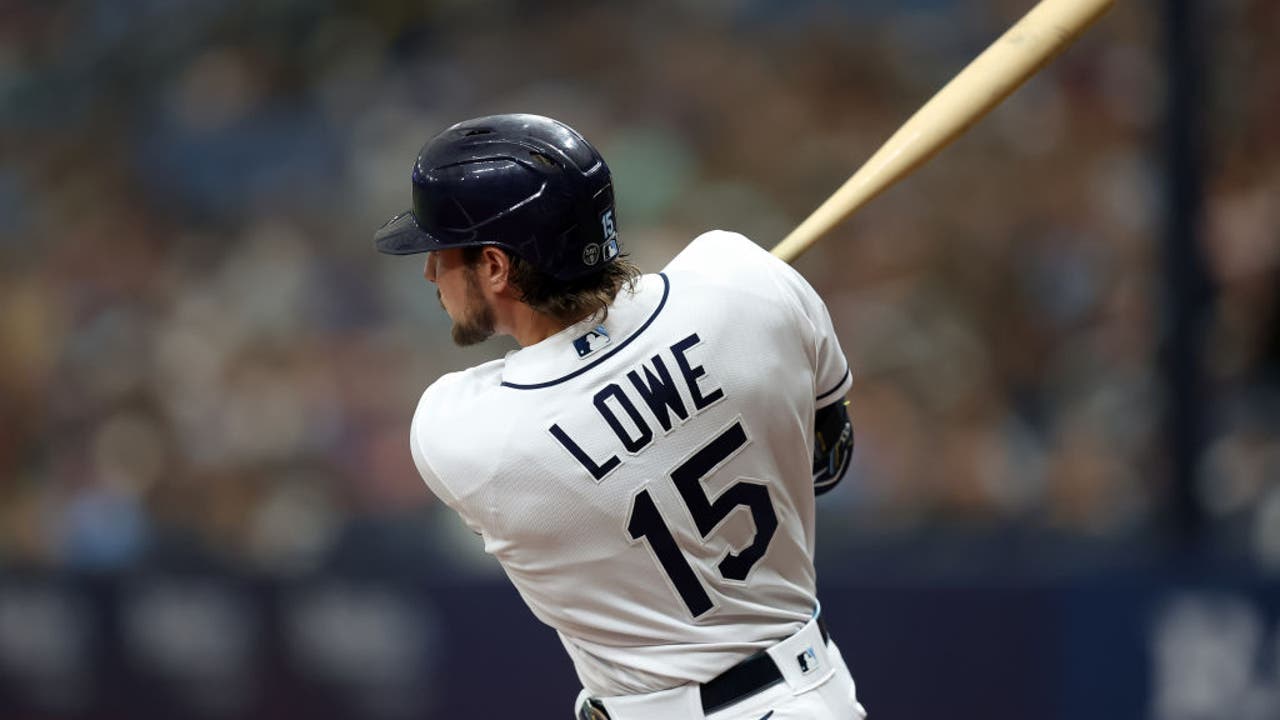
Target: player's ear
{"x": 494, "y": 268}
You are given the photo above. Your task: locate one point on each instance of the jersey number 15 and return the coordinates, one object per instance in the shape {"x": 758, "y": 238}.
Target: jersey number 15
{"x": 646, "y": 522}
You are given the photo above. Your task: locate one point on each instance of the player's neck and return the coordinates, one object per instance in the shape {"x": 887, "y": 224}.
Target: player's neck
{"x": 528, "y": 326}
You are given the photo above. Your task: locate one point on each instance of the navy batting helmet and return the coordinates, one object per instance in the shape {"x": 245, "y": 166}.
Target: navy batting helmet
{"x": 525, "y": 183}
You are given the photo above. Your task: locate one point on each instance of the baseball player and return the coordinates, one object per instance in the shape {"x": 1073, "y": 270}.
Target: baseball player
{"x": 644, "y": 467}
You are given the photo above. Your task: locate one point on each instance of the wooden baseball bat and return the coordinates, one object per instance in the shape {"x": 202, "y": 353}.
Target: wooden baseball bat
{"x": 1025, "y": 48}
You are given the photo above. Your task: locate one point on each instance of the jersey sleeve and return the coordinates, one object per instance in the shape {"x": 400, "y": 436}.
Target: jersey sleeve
{"x": 420, "y": 444}
{"x": 832, "y": 378}
{"x": 417, "y": 445}
{"x": 735, "y": 256}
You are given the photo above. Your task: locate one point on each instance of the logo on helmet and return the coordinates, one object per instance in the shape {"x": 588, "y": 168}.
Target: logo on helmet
{"x": 607, "y": 227}
{"x": 609, "y": 248}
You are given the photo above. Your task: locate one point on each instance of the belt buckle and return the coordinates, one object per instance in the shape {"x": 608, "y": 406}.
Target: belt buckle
{"x": 593, "y": 710}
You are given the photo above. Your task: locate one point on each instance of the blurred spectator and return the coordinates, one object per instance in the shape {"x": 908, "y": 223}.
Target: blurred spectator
{"x": 200, "y": 352}
{"x": 207, "y": 375}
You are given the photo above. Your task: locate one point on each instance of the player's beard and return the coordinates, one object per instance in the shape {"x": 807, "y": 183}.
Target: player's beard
{"x": 474, "y": 323}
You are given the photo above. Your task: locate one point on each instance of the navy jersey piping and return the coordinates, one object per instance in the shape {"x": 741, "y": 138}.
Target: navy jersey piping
{"x": 843, "y": 377}
{"x": 666, "y": 290}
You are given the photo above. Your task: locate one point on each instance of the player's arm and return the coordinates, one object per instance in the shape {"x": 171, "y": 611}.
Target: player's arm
{"x": 832, "y": 445}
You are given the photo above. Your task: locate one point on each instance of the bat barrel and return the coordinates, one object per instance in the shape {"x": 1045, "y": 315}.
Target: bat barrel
{"x": 1026, "y": 47}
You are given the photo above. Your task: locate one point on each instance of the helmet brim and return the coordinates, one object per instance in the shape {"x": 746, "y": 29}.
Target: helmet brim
{"x": 401, "y": 235}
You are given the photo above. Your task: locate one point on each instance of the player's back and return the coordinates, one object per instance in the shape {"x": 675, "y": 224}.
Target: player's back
{"x": 646, "y": 483}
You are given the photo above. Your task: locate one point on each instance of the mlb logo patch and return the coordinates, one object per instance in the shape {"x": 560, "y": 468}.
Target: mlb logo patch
{"x": 591, "y": 342}
{"x": 808, "y": 661}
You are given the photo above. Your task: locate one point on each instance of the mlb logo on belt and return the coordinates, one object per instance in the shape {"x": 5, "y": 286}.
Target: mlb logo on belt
{"x": 591, "y": 342}
{"x": 808, "y": 661}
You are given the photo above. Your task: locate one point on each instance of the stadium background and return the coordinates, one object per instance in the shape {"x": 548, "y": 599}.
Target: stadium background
{"x": 1066, "y": 494}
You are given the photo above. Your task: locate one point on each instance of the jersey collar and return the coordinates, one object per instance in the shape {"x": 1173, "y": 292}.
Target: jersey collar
{"x": 555, "y": 360}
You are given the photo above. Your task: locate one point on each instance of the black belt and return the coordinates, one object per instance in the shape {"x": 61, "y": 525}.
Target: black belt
{"x": 746, "y": 678}
{"x": 739, "y": 682}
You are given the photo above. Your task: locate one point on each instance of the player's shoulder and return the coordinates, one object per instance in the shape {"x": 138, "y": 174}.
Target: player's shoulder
{"x": 731, "y": 262}
{"x": 444, "y": 430}
{"x": 720, "y": 250}
{"x": 444, "y": 434}
{"x": 457, "y": 392}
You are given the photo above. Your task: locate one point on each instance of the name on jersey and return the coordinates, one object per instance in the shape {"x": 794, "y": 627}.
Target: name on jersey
{"x": 652, "y": 393}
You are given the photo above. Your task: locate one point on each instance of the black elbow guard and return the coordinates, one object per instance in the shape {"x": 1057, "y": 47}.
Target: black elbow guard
{"x": 832, "y": 445}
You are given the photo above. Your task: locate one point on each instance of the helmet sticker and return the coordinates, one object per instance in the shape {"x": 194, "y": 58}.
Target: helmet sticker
{"x": 607, "y": 225}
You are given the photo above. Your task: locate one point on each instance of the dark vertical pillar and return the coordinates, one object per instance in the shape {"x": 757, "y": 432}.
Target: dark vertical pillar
{"x": 1186, "y": 297}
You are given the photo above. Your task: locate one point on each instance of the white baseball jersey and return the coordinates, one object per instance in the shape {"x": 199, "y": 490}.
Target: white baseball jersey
{"x": 646, "y": 483}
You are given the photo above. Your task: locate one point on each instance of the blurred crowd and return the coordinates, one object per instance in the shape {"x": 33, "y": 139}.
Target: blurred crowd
{"x": 203, "y": 361}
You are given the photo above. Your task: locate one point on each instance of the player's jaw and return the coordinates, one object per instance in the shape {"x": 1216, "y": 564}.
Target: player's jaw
{"x": 474, "y": 322}
{"x": 458, "y": 291}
